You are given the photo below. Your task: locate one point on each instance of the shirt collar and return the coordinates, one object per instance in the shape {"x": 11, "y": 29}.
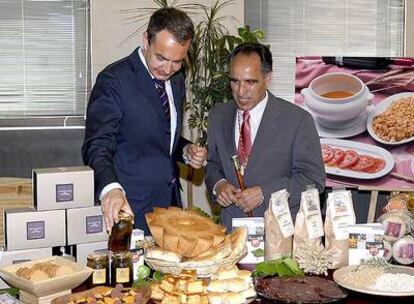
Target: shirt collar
{"x": 258, "y": 109}
{"x": 142, "y": 58}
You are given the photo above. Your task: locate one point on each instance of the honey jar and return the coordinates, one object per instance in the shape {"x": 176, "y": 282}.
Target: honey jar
{"x": 120, "y": 237}
{"x": 121, "y": 269}
{"x": 99, "y": 263}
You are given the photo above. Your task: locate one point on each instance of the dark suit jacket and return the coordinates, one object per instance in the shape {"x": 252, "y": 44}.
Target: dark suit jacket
{"x": 286, "y": 153}
{"x": 127, "y": 136}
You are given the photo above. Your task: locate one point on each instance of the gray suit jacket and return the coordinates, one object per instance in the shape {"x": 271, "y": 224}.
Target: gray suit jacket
{"x": 286, "y": 153}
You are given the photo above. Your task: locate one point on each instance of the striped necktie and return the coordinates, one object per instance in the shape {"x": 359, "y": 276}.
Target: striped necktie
{"x": 245, "y": 140}
{"x": 162, "y": 93}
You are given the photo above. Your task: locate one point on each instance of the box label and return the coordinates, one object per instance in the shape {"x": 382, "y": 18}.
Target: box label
{"x": 255, "y": 238}
{"x": 94, "y": 224}
{"x": 64, "y": 193}
{"x": 35, "y": 230}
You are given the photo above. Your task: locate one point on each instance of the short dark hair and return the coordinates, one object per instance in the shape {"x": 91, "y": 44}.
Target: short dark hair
{"x": 172, "y": 20}
{"x": 249, "y": 48}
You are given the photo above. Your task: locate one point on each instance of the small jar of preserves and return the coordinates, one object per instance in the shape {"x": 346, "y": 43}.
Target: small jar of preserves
{"x": 120, "y": 237}
{"x": 121, "y": 269}
{"x": 100, "y": 265}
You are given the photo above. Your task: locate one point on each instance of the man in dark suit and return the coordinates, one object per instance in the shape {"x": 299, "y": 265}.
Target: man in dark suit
{"x": 276, "y": 141}
{"x": 134, "y": 119}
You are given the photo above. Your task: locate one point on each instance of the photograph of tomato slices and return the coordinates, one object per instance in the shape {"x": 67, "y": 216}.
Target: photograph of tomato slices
{"x": 351, "y": 160}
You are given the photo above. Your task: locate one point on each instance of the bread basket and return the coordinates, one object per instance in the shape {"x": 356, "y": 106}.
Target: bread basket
{"x": 204, "y": 268}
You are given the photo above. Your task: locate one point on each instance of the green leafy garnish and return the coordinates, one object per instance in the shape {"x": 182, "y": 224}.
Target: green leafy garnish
{"x": 293, "y": 266}
{"x": 157, "y": 275}
{"x": 143, "y": 272}
{"x": 282, "y": 267}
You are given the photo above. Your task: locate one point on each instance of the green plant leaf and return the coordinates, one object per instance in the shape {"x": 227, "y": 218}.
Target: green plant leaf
{"x": 157, "y": 275}
{"x": 143, "y": 272}
{"x": 282, "y": 267}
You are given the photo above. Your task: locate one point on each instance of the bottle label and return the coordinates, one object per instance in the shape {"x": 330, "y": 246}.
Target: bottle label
{"x": 122, "y": 275}
{"x": 99, "y": 276}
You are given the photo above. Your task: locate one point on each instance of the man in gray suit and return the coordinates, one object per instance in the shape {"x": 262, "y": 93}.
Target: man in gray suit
{"x": 276, "y": 141}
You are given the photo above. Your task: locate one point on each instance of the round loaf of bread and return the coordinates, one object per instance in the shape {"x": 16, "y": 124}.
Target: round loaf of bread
{"x": 184, "y": 231}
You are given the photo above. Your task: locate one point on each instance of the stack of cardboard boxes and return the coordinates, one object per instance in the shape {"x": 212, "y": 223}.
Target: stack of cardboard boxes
{"x": 63, "y": 213}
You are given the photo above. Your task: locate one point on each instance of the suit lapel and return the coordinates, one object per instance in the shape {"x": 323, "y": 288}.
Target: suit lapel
{"x": 228, "y": 130}
{"x": 146, "y": 86}
{"x": 176, "y": 89}
{"x": 267, "y": 129}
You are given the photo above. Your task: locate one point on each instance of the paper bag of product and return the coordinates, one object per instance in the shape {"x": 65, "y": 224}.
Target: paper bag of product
{"x": 278, "y": 226}
{"x": 309, "y": 224}
{"x": 339, "y": 216}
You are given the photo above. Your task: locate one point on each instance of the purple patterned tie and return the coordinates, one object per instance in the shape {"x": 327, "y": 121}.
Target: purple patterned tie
{"x": 162, "y": 93}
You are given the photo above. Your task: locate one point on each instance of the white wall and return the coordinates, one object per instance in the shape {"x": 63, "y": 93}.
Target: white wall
{"x": 109, "y": 28}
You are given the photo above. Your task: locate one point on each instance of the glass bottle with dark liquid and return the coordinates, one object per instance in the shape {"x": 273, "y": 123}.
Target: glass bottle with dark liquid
{"x": 121, "y": 269}
{"x": 120, "y": 237}
{"x": 99, "y": 263}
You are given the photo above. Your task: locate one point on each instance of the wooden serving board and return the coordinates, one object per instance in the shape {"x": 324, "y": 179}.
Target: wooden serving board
{"x": 146, "y": 291}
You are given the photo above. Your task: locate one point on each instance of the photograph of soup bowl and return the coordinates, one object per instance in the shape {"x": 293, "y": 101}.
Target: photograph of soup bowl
{"x": 336, "y": 99}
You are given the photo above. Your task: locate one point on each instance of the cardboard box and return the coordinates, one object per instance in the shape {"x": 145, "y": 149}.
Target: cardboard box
{"x": 14, "y": 193}
{"x": 255, "y": 238}
{"x": 29, "y": 229}
{"x": 85, "y": 225}
{"x": 365, "y": 242}
{"x": 63, "y": 188}
{"x": 83, "y": 250}
{"x": 8, "y": 258}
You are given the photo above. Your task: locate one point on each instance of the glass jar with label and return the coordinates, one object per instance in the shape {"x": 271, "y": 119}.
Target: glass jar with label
{"x": 121, "y": 269}
{"x": 99, "y": 263}
{"x": 120, "y": 236}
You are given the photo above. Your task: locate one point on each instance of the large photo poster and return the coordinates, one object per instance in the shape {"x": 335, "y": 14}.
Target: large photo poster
{"x": 364, "y": 112}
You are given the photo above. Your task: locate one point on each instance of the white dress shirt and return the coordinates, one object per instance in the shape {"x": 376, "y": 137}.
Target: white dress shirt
{"x": 256, "y": 115}
{"x": 173, "y": 122}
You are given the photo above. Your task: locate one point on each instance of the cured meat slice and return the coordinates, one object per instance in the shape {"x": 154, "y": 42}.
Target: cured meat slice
{"x": 307, "y": 289}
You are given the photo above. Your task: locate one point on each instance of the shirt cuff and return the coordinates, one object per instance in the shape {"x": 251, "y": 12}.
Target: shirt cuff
{"x": 185, "y": 158}
{"x": 215, "y": 186}
{"x": 110, "y": 187}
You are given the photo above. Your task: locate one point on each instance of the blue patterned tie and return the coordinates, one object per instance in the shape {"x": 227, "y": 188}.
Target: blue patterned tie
{"x": 162, "y": 93}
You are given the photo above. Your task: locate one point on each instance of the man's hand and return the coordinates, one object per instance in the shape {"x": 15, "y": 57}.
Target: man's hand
{"x": 196, "y": 155}
{"x": 113, "y": 202}
{"x": 226, "y": 193}
{"x": 250, "y": 198}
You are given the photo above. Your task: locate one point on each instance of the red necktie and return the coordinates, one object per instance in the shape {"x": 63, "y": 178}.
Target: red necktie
{"x": 245, "y": 141}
